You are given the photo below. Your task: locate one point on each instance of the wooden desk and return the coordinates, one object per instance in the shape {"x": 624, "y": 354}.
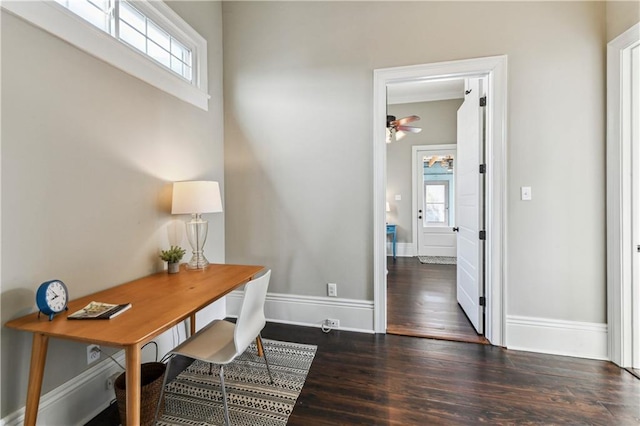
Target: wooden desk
{"x": 159, "y": 302}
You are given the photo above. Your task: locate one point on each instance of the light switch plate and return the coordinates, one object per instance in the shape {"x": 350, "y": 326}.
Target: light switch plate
{"x": 525, "y": 193}
{"x": 398, "y": 197}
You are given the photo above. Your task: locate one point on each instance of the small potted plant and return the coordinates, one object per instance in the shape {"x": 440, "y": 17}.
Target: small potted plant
{"x": 173, "y": 257}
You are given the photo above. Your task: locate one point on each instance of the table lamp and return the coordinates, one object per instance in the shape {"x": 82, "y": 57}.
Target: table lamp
{"x": 195, "y": 198}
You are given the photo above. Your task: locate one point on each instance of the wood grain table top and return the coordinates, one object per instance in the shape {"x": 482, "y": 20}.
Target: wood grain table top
{"x": 159, "y": 302}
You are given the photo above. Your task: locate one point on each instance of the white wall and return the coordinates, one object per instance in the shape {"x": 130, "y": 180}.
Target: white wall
{"x": 88, "y": 154}
{"x": 298, "y": 143}
{"x": 621, "y": 15}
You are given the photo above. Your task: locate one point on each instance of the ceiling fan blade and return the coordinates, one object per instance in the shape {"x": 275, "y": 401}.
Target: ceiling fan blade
{"x": 409, "y": 129}
{"x": 432, "y": 160}
{"x": 407, "y": 120}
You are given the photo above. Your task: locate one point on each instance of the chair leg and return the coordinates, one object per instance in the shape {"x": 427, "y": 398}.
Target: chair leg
{"x": 264, "y": 353}
{"x": 164, "y": 383}
{"x": 224, "y": 397}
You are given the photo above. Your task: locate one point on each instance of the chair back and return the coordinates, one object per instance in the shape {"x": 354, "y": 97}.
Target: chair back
{"x": 251, "y": 319}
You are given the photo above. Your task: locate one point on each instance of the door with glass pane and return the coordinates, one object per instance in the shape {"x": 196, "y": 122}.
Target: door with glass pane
{"x": 435, "y": 196}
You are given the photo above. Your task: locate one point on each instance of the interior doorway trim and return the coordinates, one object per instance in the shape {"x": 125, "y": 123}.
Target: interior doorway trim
{"x": 622, "y": 238}
{"x": 495, "y": 69}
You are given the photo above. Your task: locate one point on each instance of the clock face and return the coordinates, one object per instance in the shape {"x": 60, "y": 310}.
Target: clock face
{"x": 56, "y": 296}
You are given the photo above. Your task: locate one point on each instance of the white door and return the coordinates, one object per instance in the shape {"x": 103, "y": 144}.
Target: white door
{"x": 469, "y": 204}
{"x": 434, "y": 190}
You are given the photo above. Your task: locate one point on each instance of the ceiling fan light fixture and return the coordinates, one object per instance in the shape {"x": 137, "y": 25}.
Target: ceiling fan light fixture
{"x": 389, "y": 137}
{"x": 397, "y": 130}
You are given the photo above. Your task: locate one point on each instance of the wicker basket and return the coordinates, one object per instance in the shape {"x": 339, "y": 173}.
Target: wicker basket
{"x": 151, "y": 378}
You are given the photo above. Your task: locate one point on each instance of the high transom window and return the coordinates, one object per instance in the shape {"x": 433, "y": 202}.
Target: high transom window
{"x": 140, "y": 32}
{"x": 127, "y": 23}
{"x": 144, "y": 38}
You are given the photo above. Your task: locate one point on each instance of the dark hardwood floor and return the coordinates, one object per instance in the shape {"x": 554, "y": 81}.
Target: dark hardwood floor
{"x": 421, "y": 302}
{"x": 368, "y": 379}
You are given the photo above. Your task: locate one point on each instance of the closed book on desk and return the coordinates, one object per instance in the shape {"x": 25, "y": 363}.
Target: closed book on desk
{"x": 99, "y": 310}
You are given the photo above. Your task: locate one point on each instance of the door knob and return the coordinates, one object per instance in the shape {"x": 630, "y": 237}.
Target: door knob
{"x": 456, "y": 229}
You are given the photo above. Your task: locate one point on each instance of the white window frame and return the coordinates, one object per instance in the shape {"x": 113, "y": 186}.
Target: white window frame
{"x": 445, "y": 184}
{"x": 63, "y": 23}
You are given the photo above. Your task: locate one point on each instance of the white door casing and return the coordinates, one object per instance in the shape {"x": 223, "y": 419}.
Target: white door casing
{"x": 495, "y": 69}
{"x": 623, "y": 189}
{"x": 469, "y": 204}
{"x": 429, "y": 240}
{"x": 635, "y": 149}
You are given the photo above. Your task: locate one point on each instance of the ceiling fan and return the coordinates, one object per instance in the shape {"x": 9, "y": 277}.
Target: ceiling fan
{"x": 397, "y": 129}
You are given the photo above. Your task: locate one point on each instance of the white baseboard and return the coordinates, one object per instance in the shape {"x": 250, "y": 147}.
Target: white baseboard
{"x": 402, "y": 249}
{"x": 557, "y": 337}
{"x": 76, "y": 401}
{"x": 310, "y": 311}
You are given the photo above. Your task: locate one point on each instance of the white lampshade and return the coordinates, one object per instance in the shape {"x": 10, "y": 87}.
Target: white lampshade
{"x": 388, "y": 207}
{"x": 196, "y": 197}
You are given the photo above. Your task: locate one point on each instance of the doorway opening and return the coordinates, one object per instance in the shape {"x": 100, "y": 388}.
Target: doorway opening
{"x": 492, "y": 69}
{"x": 433, "y": 294}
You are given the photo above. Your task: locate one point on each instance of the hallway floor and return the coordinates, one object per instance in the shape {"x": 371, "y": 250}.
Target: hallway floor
{"x": 382, "y": 379}
{"x": 421, "y": 302}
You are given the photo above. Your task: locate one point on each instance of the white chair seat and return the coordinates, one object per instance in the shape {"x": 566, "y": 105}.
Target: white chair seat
{"x": 214, "y": 344}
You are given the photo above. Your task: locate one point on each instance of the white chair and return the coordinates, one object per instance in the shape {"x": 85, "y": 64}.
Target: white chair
{"x": 221, "y": 341}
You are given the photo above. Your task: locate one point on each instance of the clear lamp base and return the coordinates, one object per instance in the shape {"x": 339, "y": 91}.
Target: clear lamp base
{"x": 197, "y": 234}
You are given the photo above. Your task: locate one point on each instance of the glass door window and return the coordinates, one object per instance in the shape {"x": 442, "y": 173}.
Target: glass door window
{"x": 436, "y": 200}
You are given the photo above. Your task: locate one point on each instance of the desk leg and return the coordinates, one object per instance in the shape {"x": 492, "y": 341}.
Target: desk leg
{"x": 36, "y": 372}
{"x": 260, "y": 348}
{"x": 133, "y": 384}
{"x": 192, "y": 324}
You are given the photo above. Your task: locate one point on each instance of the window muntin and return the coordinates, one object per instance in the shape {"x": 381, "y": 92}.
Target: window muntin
{"x": 128, "y": 24}
{"x": 95, "y": 12}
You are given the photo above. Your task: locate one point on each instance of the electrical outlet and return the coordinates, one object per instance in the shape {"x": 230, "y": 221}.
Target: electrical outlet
{"x": 93, "y": 353}
{"x": 332, "y": 289}
{"x": 111, "y": 380}
{"x": 333, "y": 323}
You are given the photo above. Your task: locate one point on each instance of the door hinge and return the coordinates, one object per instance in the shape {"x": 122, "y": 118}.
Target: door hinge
{"x": 483, "y": 301}
{"x": 483, "y": 168}
{"x": 483, "y": 101}
{"x": 483, "y": 235}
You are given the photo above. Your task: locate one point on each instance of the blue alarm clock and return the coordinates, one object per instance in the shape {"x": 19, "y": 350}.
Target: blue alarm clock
{"x": 52, "y": 297}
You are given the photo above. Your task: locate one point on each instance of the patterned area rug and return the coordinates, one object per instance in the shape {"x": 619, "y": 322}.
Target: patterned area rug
{"x": 194, "y": 398}
{"x": 439, "y": 260}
